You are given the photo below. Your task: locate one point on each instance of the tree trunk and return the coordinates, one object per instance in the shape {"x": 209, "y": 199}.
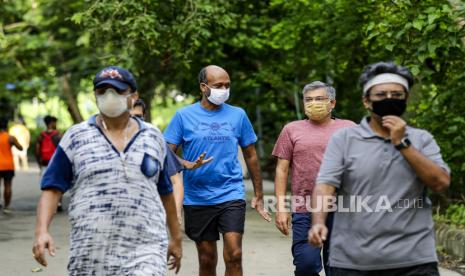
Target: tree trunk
{"x": 70, "y": 98}
{"x": 6, "y": 108}
{"x": 148, "y": 112}
{"x": 146, "y": 89}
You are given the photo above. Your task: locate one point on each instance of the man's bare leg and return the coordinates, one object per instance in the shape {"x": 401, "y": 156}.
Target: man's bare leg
{"x": 7, "y": 193}
{"x": 232, "y": 253}
{"x": 208, "y": 257}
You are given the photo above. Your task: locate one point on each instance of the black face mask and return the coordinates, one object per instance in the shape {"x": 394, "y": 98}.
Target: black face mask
{"x": 386, "y": 107}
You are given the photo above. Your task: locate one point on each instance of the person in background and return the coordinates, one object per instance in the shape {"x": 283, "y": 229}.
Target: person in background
{"x": 20, "y": 131}
{"x": 47, "y": 141}
{"x": 7, "y": 167}
{"x": 138, "y": 111}
{"x": 300, "y": 146}
{"x": 46, "y": 145}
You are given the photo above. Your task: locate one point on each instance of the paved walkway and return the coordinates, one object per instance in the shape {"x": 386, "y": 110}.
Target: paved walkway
{"x": 266, "y": 251}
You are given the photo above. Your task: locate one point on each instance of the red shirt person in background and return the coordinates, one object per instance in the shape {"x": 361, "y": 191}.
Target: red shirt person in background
{"x": 46, "y": 145}
{"x": 47, "y": 141}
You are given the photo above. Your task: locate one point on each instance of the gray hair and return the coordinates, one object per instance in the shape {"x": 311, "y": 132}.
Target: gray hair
{"x": 314, "y": 85}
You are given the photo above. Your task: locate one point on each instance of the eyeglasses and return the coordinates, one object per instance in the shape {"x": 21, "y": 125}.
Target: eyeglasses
{"x": 316, "y": 99}
{"x": 400, "y": 95}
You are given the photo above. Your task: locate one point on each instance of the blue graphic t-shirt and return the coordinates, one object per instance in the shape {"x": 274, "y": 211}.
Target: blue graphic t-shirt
{"x": 218, "y": 133}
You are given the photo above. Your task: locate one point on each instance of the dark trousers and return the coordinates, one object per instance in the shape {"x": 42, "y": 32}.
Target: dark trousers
{"x": 429, "y": 269}
{"x": 307, "y": 259}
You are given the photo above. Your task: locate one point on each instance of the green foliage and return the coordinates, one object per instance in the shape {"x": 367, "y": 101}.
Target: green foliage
{"x": 454, "y": 214}
{"x": 159, "y": 38}
{"x": 270, "y": 48}
{"x": 40, "y": 47}
{"x": 16, "y": 42}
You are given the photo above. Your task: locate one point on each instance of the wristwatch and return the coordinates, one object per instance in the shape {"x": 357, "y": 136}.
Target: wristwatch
{"x": 404, "y": 143}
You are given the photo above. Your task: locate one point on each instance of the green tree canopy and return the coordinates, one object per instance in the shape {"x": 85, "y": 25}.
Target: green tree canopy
{"x": 270, "y": 48}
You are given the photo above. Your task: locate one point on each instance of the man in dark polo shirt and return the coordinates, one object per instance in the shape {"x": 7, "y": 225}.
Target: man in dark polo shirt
{"x": 380, "y": 171}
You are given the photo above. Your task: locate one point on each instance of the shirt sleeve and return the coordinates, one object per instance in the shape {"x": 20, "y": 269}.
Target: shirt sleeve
{"x": 432, "y": 151}
{"x": 173, "y": 165}
{"x": 59, "y": 173}
{"x": 248, "y": 136}
{"x": 284, "y": 147}
{"x": 332, "y": 166}
{"x": 174, "y": 131}
{"x": 170, "y": 168}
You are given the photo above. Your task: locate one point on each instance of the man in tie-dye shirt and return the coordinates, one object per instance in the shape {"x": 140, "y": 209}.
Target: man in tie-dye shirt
{"x": 117, "y": 172}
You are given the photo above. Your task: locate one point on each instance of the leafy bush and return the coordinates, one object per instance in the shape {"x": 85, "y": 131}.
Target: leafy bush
{"x": 454, "y": 214}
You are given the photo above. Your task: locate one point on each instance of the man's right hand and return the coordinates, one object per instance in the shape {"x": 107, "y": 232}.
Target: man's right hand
{"x": 199, "y": 162}
{"x": 283, "y": 221}
{"x": 42, "y": 241}
{"x": 175, "y": 254}
{"x": 317, "y": 234}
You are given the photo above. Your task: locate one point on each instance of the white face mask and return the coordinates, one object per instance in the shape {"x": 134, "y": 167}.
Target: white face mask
{"x": 218, "y": 96}
{"x": 111, "y": 104}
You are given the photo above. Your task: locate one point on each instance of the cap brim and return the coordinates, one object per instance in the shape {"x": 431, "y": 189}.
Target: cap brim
{"x": 116, "y": 83}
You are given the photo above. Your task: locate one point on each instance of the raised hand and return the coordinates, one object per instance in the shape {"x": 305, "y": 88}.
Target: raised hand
{"x": 199, "y": 162}
{"x": 396, "y": 128}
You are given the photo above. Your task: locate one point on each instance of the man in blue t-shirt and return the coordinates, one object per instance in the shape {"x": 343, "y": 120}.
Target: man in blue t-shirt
{"x": 214, "y": 193}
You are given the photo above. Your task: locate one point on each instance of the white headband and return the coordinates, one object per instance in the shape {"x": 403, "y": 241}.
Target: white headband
{"x": 385, "y": 78}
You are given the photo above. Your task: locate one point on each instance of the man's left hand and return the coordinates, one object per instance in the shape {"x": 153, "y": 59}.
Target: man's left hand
{"x": 257, "y": 204}
{"x": 175, "y": 254}
{"x": 396, "y": 127}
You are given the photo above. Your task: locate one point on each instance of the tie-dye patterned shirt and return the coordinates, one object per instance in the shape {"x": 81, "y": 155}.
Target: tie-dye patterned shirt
{"x": 117, "y": 219}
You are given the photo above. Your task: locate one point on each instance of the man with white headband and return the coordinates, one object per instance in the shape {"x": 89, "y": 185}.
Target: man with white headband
{"x": 380, "y": 171}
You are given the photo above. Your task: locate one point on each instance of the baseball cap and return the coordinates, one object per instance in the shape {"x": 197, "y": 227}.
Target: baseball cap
{"x": 117, "y": 77}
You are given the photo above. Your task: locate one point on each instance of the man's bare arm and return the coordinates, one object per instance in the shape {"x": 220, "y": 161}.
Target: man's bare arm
{"x": 251, "y": 159}
{"x": 46, "y": 208}
{"x": 319, "y": 232}
{"x": 280, "y": 186}
{"x": 178, "y": 191}
{"x": 175, "y": 246}
{"x": 14, "y": 142}
{"x": 200, "y": 161}
{"x": 430, "y": 174}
